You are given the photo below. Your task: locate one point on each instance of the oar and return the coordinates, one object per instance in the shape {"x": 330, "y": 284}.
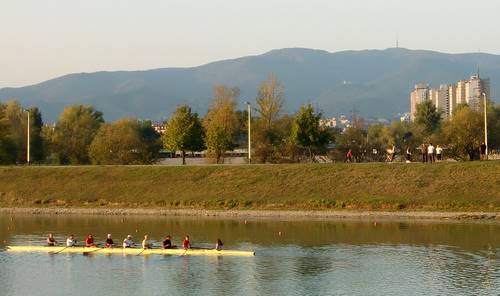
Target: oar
{"x": 61, "y": 250}
{"x": 144, "y": 249}
{"x": 86, "y": 253}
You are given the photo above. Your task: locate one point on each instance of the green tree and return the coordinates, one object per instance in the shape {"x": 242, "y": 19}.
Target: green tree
{"x": 184, "y": 132}
{"x": 428, "y": 117}
{"x": 74, "y": 132}
{"x": 464, "y": 133}
{"x": 306, "y": 131}
{"x": 7, "y": 147}
{"x": 119, "y": 142}
{"x": 152, "y": 140}
{"x": 221, "y": 121}
{"x": 493, "y": 114}
{"x": 51, "y": 155}
{"x": 37, "y": 151}
{"x": 18, "y": 124}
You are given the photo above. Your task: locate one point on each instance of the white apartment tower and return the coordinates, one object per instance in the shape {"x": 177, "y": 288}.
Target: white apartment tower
{"x": 417, "y": 96}
{"x": 452, "y": 98}
{"x": 461, "y": 97}
{"x": 447, "y": 97}
{"x": 474, "y": 89}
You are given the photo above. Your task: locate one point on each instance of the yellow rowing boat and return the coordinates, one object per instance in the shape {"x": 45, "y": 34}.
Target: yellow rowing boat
{"x": 130, "y": 251}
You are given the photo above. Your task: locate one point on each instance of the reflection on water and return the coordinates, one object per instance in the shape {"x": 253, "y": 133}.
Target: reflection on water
{"x": 308, "y": 258}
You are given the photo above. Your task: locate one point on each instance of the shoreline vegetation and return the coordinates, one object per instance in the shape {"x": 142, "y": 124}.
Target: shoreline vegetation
{"x": 322, "y": 189}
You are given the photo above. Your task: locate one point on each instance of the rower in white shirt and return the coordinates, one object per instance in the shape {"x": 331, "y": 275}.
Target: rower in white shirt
{"x": 146, "y": 244}
{"x": 128, "y": 243}
{"x": 71, "y": 241}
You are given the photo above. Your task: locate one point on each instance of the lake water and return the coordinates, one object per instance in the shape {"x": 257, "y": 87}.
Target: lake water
{"x": 316, "y": 257}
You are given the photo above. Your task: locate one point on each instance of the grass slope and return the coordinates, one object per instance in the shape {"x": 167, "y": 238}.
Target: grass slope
{"x": 444, "y": 186}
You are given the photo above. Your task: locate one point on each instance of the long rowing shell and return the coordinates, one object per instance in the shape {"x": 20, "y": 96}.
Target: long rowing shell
{"x": 130, "y": 251}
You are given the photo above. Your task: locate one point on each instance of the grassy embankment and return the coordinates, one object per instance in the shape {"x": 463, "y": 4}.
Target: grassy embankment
{"x": 466, "y": 186}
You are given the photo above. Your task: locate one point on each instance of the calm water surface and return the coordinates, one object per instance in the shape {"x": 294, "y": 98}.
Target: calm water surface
{"x": 308, "y": 258}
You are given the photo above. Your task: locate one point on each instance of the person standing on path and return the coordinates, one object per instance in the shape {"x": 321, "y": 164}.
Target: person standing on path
{"x": 393, "y": 153}
{"x": 349, "y": 156}
{"x": 423, "y": 150}
{"x": 430, "y": 153}
{"x": 482, "y": 151}
{"x": 439, "y": 153}
{"x": 408, "y": 154}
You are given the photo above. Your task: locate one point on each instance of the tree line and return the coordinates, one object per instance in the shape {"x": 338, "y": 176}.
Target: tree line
{"x": 81, "y": 136}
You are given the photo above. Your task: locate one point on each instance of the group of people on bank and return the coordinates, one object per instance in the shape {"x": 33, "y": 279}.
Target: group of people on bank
{"x": 127, "y": 242}
{"x": 430, "y": 153}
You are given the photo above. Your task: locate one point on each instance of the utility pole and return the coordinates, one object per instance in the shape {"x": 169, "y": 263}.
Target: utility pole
{"x": 28, "y": 140}
{"x": 485, "y": 125}
{"x": 249, "y": 112}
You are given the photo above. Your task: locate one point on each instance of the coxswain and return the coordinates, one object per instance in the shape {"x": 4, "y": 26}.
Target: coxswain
{"x": 71, "y": 241}
{"x": 128, "y": 243}
{"x": 185, "y": 243}
{"x": 219, "y": 245}
{"x": 89, "y": 242}
{"x": 145, "y": 243}
{"x": 51, "y": 241}
{"x": 109, "y": 242}
{"x": 167, "y": 243}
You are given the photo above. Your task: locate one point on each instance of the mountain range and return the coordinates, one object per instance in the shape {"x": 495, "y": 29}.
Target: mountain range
{"x": 374, "y": 82}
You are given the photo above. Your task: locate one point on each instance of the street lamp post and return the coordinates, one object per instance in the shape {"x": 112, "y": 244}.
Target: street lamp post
{"x": 249, "y": 111}
{"x": 28, "y": 140}
{"x": 485, "y": 126}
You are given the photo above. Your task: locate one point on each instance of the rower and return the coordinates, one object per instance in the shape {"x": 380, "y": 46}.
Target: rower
{"x": 185, "y": 243}
{"x": 109, "y": 242}
{"x": 167, "y": 243}
{"x": 218, "y": 245}
{"x": 71, "y": 241}
{"x": 51, "y": 241}
{"x": 127, "y": 242}
{"x": 145, "y": 243}
{"x": 89, "y": 242}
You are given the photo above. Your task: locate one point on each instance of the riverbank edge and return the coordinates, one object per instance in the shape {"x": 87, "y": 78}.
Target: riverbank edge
{"x": 278, "y": 214}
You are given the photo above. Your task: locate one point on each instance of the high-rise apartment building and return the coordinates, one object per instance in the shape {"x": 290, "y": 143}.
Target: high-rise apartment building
{"x": 461, "y": 97}
{"x": 447, "y": 97}
{"x": 417, "y": 96}
{"x": 474, "y": 89}
{"x": 441, "y": 100}
{"x": 452, "y": 98}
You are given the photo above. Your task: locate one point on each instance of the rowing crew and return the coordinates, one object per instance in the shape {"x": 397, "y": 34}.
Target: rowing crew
{"x": 128, "y": 242}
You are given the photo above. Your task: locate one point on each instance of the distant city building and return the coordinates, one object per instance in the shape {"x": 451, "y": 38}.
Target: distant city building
{"x": 474, "y": 90}
{"x": 159, "y": 127}
{"x": 447, "y": 97}
{"x": 460, "y": 95}
{"x": 420, "y": 94}
{"x": 328, "y": 122}
{"x": 452, "y": 98}
{"x": 442, "y": 100}
{"x": 405, "y": 117}
{"x": 344, "y": 122}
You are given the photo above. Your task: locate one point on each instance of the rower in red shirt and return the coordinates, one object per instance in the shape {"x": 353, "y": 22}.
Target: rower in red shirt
{"x": 89, "y": 242}
{"x": 185, "y": 243}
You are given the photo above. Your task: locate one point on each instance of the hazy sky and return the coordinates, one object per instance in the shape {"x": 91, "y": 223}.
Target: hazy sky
{"x": 43, "y": 39}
